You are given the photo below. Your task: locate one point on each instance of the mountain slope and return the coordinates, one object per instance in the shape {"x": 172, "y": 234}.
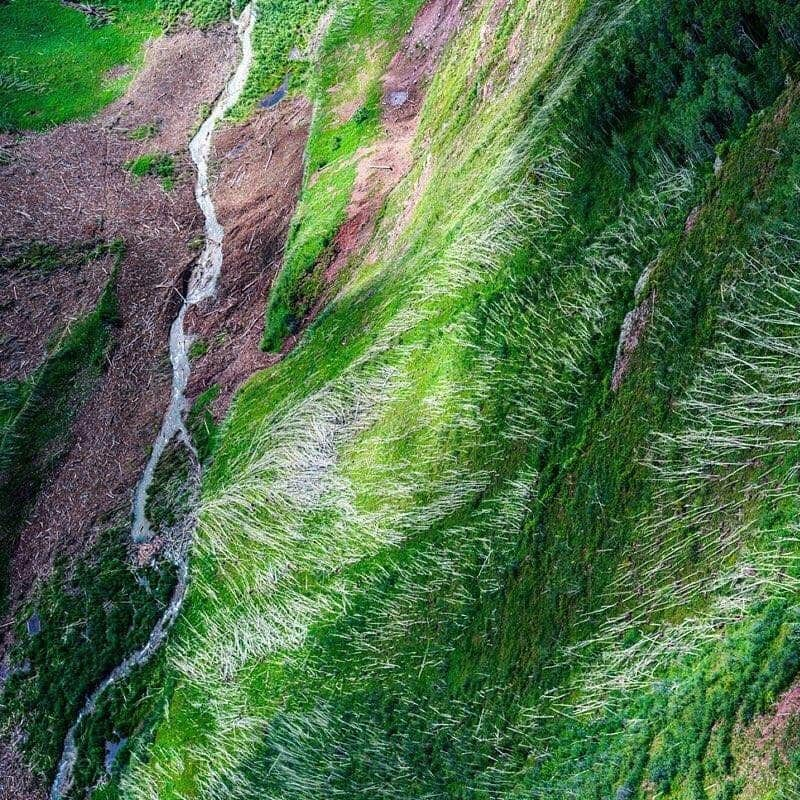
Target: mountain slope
{"x": 438, "y": 555}
{"x": 511, "y": 509}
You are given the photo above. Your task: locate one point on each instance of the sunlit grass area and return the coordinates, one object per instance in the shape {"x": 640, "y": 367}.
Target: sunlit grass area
{"x": 57, "y": 65}
{"x": 435, "y": 545}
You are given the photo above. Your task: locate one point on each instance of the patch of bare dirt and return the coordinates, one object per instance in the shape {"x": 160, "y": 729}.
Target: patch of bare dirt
{"x": 633, "y": 328}
{"x": 181, "y": 73}
{"x": 524, "y": 45}
{"x": 486, "y": 37}
{"x": 115, "y": 73}
{"x": 346, "y": 110}
{"x": 409, "y": 206}
{"x": 69, "y": 185}
{"x": 489, "y": 28}
{"x": 36, "y": 306}
{"x": 691, "y": 220}
{"x": 17, "y": 782}
{"x": 771, "y": 736}
{"x": 384, "y": 164}
{"x": 774, "y": 727}
{"x": 260, "y": 169}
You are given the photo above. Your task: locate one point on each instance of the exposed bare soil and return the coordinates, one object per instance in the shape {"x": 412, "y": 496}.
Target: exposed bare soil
{"x": 260, "y": 168}
{"x": 181, "y": 72}
{"x": 384, "y": 164}
{"x": 774, "y": 727}
{"x": 35, "y": 306}
{"x": 16, "y": 782}
{"x": 634, "y": 326}
{"x": 67, "y": 186}
{"x": 769, "y": 738}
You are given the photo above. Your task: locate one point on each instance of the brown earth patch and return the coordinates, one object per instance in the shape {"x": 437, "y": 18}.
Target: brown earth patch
{"x": 515, "y": 51}
{"x": 16, "y": 781}
{"x": 344, "y": 111}
{"x": 633, "y": 328}
{"x": 115, "y": 73}
{"x": 768, "y": 740}
{"x": 181, "y": 72}
{"x": 775, "y": 727}
{"x": 35, "y": 306}
{"x": 382, "y": 166}
{"x": 410, "y": 204}
{"x": 489, "y": 28}
{"x": 691, "y": 220}
{"x": 486, "y": 37}
{"x": 260, "y": 169}
{"x": 346, "y": 108}
{"x": 69, "y": 185}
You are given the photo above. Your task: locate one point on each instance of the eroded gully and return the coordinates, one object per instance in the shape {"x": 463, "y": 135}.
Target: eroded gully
{"x": 202, "y": 285}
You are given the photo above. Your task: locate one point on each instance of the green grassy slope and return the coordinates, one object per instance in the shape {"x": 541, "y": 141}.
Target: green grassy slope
{"x": 58, "y": 64}
{"x": 54, "y": 63}
{"x": 438, "y": 555}
{"x": 357, "y": 50}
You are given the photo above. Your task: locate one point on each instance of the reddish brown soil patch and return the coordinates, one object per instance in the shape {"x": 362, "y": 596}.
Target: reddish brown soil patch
{"x": 416, "y": 61}
{"x": 775, "y": 727}
{"x": 486, "y": 37}
{"x": 771, "y": 735}
{"x": 633, "y": 328}
{"x": 691, "y": 220}
{"x": 36, "y": 306}
{"x": 67, "y": 186}
{"x": 115, "y": 73}
{"x": 382, "y": 166}
{"x": 489, "y": 29}
{"x": 345, "y": 111}
{"x": 410, "y": 204}
{"x": 260, "y": 168}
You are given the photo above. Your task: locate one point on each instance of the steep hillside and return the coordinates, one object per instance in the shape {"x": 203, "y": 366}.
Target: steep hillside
{"x": 483, "y": 462}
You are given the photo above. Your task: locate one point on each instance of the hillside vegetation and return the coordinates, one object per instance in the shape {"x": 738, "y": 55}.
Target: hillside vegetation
{"x": 516, "y": 515}
{"x": 439, "y": 555}
{"x": 57, "y": 63}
